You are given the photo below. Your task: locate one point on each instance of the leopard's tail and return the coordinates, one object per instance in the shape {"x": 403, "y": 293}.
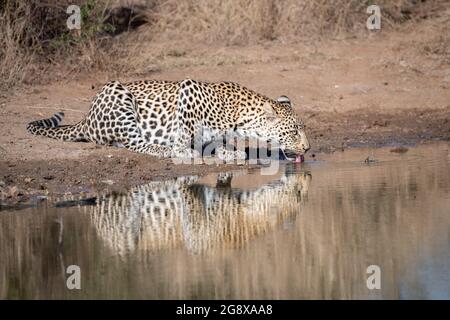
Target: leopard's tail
{"x": 50, "y": 128}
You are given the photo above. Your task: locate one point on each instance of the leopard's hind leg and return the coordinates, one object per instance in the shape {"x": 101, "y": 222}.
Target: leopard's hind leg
{"x": 113, "y": 120}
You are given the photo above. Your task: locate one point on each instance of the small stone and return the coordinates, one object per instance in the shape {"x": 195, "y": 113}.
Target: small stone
{"x": 369, "y": 160}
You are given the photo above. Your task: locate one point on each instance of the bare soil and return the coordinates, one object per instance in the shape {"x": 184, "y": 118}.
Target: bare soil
{"x": 381, "y": 90}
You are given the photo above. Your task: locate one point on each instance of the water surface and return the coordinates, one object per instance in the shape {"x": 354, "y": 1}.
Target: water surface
{"x": 308, "y": 232}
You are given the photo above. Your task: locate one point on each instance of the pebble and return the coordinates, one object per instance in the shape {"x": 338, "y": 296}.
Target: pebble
{"x": 369, "y": 160}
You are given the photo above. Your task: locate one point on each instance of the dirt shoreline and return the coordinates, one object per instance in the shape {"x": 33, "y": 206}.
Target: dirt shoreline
{"x": 109, "y": 169}
{"x": 33, "y": 166}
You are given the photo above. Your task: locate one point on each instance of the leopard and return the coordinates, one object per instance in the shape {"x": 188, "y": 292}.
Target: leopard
{"x": 169, "y": 118}
{"x": 200, "y": 214}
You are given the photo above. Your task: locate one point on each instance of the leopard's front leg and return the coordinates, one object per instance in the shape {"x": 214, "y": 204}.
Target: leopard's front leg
{"x": 230, "y": 156}
{"x": 140, "y": 146}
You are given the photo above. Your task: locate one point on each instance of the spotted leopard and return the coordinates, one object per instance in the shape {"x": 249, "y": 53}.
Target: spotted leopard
{"x": 199, "y": 216}
{"x": 168, "y": 118}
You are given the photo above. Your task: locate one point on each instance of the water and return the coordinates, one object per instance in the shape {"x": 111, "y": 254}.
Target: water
{"x": 310, "y": 231}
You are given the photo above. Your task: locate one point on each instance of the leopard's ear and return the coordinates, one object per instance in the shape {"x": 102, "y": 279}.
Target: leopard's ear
{"x": 271, "y": 114}
{"x": 284, "y": 100}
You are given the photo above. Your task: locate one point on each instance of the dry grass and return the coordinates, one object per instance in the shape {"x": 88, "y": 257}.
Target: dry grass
{"x": 239, "y": 22}
{"x": 36, "y": 45}
{"x": 35, "y": 37}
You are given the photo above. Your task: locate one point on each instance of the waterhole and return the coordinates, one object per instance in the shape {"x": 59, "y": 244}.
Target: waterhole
{"x": 310, "y": 231}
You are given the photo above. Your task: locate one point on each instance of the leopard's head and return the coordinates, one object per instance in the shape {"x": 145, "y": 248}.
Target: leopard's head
{"x": 285, "y": 128}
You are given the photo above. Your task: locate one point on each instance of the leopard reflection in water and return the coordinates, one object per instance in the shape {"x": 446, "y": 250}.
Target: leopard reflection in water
{"x": 198, "y": 215}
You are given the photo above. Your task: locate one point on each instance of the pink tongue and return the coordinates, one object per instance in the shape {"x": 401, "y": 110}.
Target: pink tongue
{"x": 299, "y": 158}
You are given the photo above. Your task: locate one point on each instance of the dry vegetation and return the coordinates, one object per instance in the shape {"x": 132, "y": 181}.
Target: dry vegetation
{"x": 36, "y": 46}
{"x": 239, "y": 22}
{"x": 35, "y": 38}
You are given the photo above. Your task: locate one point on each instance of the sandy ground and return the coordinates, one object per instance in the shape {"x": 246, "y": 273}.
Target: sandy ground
{"x": 358, "y": 92}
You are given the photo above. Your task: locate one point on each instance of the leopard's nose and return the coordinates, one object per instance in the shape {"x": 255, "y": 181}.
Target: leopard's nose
{"x": 306, "y": 147}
